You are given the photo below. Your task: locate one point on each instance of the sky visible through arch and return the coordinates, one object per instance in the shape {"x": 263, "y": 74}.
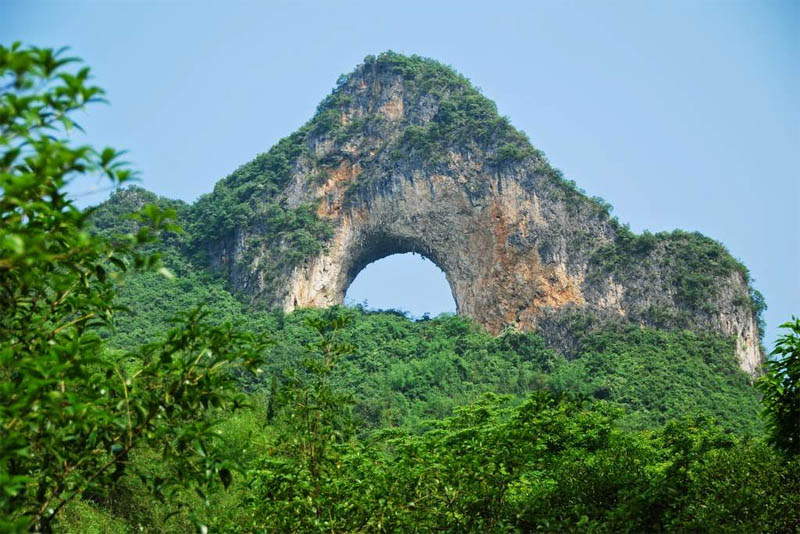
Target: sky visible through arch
{"x": 406, "y": 282}
{"x": 681, "y": 114}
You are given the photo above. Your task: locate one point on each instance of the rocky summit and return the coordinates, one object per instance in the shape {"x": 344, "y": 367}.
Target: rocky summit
{"x": 406, "y": 155}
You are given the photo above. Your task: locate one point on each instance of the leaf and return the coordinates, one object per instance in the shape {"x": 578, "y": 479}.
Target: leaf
{"x": 120, "y": 264}
{"x": 15, "y": 243}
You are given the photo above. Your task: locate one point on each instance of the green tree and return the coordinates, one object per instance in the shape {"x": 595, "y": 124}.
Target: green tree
{"x": 781, "y": 389}
{"x": 301, "y": 488}
{"x": 70, "y": 412}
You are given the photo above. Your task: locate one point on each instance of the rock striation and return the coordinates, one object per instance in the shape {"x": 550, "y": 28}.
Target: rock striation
{"x": 406, "y": 156}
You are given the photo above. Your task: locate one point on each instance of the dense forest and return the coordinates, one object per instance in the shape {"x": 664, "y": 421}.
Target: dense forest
{"x": 138, "y": 394}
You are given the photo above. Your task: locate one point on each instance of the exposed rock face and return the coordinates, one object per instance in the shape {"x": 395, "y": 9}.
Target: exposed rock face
{"x": 500, "y": 247}
{"x": 402, "y": 160}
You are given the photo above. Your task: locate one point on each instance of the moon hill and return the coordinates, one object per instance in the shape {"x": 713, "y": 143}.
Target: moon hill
{"x": 405, "y": 155}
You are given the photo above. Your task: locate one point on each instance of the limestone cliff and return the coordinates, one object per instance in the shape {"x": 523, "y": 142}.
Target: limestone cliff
{"x": 406, "y": 156}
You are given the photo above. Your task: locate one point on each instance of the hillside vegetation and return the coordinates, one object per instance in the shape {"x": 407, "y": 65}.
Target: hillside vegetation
{"x": 404, "y": 371}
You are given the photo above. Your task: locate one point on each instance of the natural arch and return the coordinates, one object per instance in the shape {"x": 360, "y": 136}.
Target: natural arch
{"x": 484, "y": 244}
{"x": 406, "y": 156}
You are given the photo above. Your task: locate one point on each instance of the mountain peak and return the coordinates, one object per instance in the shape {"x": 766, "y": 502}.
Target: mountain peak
{"x": 389, "y": 83}
{"x": 405, "y": 155}
{"x": 419, "y": 106}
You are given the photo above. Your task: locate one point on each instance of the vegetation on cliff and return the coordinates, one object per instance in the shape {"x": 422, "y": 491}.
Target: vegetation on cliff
{"x": 250, "y": 198}
{"x": 697, "y": 264}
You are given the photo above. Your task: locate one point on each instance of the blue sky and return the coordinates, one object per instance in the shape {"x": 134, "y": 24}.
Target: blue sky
{"x": 681, "y": 114}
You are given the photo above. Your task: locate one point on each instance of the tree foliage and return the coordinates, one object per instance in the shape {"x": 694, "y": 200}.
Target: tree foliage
{"x": 550, "y": 464}
{"x": 70, "y": 413}
{"x": 781, "y": 389}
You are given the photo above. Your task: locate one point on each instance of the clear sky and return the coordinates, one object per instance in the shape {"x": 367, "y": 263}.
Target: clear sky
{"x": 682, "y": 114}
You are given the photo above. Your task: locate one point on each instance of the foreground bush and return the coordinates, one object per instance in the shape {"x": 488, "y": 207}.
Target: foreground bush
{"x": 70, "y": 413}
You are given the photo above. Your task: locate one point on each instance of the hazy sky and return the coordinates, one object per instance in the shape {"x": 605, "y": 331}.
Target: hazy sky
{"x": 681, "y": 114}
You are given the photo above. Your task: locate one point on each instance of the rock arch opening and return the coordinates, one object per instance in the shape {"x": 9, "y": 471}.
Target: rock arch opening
{"x": 408, "y": 282}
